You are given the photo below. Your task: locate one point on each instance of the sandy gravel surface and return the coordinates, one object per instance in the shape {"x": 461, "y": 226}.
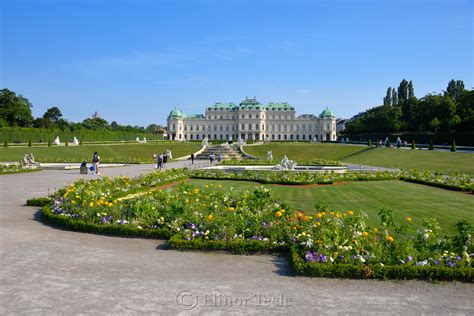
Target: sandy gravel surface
{"x": 47, "y": 270}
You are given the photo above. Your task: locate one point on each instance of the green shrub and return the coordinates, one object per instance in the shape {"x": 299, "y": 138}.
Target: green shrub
{"x": 40, "y": 201}
{"x": 29, "y": 143}
{"x": 66, "y": 143}
{"x": 49, "y": 142}
{"x": 369, "y": 143}
{"x": 430, "y": 147}
{"x": 453, "y": 146}
{"x": 5, "y": 144}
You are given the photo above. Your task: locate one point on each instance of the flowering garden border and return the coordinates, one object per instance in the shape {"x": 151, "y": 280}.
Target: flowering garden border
{"x": 295, "y": 245}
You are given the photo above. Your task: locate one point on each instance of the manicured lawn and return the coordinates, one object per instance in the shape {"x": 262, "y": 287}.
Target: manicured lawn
{"x": 406, "y": 199}
{"x": 107, "y": 152}
{"x": 440, "y": 161}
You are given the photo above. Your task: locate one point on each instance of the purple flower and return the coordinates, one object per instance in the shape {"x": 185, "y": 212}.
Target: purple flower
{"x": 322, "y": 258}
{"x": 459, "y": 258}
{"x": 191, "y": 226}
{"x": 436, "y": 262}
{"x": 310, "y": 256}
{"x": 341, "y": 257}
{"x": 293, "y": 239}
{"x": 409, "y": 259}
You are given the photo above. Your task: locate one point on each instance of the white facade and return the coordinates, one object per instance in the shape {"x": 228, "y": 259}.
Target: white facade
{"x": 252, "y": 120}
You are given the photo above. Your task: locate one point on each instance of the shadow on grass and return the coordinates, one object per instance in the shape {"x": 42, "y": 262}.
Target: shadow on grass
{"x": 357, "y": 153}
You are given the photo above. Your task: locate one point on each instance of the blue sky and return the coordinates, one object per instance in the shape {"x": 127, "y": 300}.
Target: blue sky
{"x": 133, "y": 61}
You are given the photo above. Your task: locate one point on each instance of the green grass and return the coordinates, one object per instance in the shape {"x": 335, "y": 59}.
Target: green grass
{"x": 406, "y": 199}
{"x": 440, "y": 161}
{"x": 107, "y": 152}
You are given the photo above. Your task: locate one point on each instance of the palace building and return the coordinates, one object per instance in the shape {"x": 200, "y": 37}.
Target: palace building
{"x": 252, "y": 120}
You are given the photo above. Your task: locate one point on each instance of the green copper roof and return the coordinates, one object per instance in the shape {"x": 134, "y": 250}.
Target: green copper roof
{"x": 195, "y": 116}
{"x": 176, "y": 113}
{"x": 250, "y": 102}
{"x": 326, "y": 113}
{"x": 282, "y": 106}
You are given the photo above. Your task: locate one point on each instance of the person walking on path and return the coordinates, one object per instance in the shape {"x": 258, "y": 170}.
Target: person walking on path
{"x": 165, "y": 159}
{"x": 95, "y": 162}
{"x": 219, "y": 157}
{"x": 211, "y": 158}
{"x": 160, "y": 161}
{"x": 192, "y": 158}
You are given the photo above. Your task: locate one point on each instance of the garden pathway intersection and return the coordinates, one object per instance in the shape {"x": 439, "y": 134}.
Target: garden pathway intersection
{"x": 47, "y": 270}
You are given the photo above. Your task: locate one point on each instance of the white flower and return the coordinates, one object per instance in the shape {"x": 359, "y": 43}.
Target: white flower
{"x": 422, "y": 263}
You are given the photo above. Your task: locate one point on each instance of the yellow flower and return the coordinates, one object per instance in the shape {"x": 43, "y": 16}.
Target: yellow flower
{"x": 210, "y": 217}
{"x": 231, "y": 209}
{"x": 91, "y": 204}
{"x": 390, "y": 239}
{"x": 408, "y": 219}
{"x": 77, "y": 197}
{"x": 319, "y": 215}
{"x": 278, "y": 214}
{"x": 73, "y": 202}
{"x": 375, "y": 230}
{"x": 332, "y": 213}
{"x": 318, "y": 223}
{"x": 110, "y": 204}
{"x": 282, "y": 210}
{"x": 350, "y": 212}
{"x": 324, "y": 213}
{"x": 365, "y": 234}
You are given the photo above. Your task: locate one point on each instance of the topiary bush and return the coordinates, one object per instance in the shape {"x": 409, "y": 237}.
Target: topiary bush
{"x": 453, "y": 146}
{"x": 430, "y": 147}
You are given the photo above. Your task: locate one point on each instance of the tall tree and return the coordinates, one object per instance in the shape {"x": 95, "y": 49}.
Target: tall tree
{"x": 394, "y": 97}
{"x": 411, "y": 90}
{"x": 403, "y": 91}
{"x": 15, "y": 110}
{"x": 455, "y": 88}
{"x": 387, "y": 100}
{"x": 53, "y": 114}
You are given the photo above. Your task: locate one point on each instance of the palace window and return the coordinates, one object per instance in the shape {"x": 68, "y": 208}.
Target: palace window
{"x": 256, "y": 127}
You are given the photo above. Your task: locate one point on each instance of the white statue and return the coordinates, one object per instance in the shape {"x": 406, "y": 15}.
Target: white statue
{"x": 314, "y": 139}
{"x": 286, "y": 164}
{"x": 387, "y": 142}
{"x": 269, "y": 155}
{"x": 168, "y": 153}
{"x": 399, "y": 142}
{"x": 75, "y": 141}
{"x": 144, "y": 139}
{"x": 56, "y": 141}
{"x": 240, "y": 142}
{"x": 204, "y": 142}
{"x": 138, "y": 139}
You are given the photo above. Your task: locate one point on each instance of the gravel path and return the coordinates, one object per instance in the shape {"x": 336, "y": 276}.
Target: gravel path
{"x": 47, "y": 270}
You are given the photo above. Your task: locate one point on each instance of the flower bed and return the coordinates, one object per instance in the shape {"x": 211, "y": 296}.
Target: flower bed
{"x": 453, "y": 182}
{"x": 258, "y": 162}
{"x": 322, "y": 242}
{"x": 15, "y": 168}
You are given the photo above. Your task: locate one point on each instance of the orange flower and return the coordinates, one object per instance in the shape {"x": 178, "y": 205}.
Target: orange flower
{"x": 210, "y": 217}
{"x": 390, "y": 239}
{"x": 365, "y": 234}
{"x": 278, "y": 214}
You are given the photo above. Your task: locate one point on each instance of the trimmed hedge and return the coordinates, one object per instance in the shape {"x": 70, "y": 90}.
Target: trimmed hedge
{"x": 40, "y": 201}
{"x": 236, "y": 246}
{"x": 353, "y": 271}
{"x": 104, "y": 229}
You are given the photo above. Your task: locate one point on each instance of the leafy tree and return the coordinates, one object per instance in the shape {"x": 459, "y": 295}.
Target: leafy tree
{"x": 53, "y": 114}
{"x": 42, "y": 122}
{"x": 15, "y": 110}
{"x": 387, "y": 100}
{"x": 394, "y": 97}
{"x": 403, "y": 91}
{"x": 434, "y": 124}
{"x": 95, "y": 123}
{"x": 411, "y": 90}
{"x": 455, "y": 88}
